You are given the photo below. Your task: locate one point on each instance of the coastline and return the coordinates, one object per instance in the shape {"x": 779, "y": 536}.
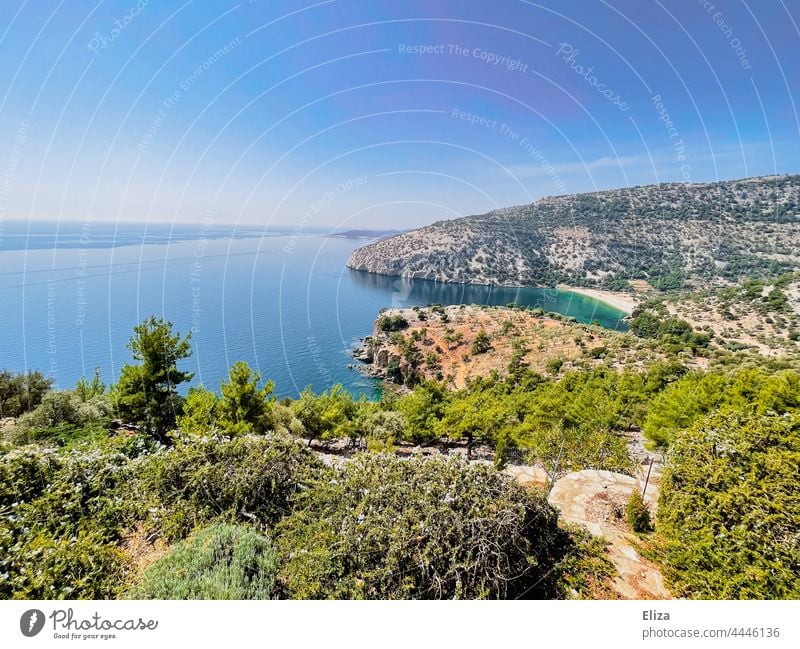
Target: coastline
{"x": 625, "y": 302}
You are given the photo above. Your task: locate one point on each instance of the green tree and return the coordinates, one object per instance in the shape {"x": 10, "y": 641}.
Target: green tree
{"x": 87, "y": 390}
{"x": 146, "y": 393}
{"x": 200, "y": 412}
{"x": 327, "y": 416}
{"x": 729, "y": 509}
{"x": 245, "y": 407}
{"x": 422, "y": 410}
{"x": 476, "y": 415}
{"x": 22, "y": 392}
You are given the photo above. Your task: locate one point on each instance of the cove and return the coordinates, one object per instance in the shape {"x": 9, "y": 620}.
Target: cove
{"x": 285, "y": 304}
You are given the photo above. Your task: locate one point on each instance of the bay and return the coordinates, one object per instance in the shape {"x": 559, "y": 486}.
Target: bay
{"x": 285, "y": 303}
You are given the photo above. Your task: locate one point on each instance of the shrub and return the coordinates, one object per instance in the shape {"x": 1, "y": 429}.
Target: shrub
{"x": 61, "y": 417}
{"x": 59, "y": 532}
{"x": 246, "y": 479}
{"x": 389, "y": 323}
{"x": 482, "y": 343}
{"x": 729, "y": 506}
{"x": 25, "y": 473}
{"x": 598, "y": 352}
{"x": 422, "y": 528}
{"x": 554, "y": 365}
{"x": 638, "y": 514}
{"x": 44, "y": 566}
{"x": 217, "y": 562}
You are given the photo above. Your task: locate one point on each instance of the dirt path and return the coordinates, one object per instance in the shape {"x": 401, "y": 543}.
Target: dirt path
{"x": 596, "y": 500}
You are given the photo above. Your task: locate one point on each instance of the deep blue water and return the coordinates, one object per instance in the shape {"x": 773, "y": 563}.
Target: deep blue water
{"x": 286, "y": 304}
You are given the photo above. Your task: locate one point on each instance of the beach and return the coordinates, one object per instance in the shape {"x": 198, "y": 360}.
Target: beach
{"x": 623, "y": 301}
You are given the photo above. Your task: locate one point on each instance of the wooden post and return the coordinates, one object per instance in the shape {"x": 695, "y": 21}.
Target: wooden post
{"x": 647, "y": 479}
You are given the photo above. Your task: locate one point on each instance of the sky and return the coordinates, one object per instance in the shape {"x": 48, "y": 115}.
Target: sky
{"x": 354, "y": 114}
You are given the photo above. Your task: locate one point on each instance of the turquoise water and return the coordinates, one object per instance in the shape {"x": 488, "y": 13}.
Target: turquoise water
{"x": 285, "y": 304}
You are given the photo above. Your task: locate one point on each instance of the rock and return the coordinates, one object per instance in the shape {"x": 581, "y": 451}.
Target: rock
{"x": 586, "y": 498}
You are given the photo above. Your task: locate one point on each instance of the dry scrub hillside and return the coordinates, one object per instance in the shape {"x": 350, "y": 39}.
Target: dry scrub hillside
{"x": 457, "y": 343}
{"x": 671, "y": 235}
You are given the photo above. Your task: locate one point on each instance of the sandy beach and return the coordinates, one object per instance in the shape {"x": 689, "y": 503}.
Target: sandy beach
{"x": 623, "y": 301}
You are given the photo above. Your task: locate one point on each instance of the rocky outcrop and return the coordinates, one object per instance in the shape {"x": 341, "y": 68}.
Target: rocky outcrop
{"x": 596, "y": 500}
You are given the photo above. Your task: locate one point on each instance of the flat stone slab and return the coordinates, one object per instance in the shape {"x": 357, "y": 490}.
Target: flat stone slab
{"x": 596, "y": 500}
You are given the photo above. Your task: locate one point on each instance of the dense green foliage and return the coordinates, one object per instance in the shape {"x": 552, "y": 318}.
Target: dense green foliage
{"x": 217, "y": 562}
{"x": 232, "y": 471}
{"x": 392, "y": 323}
{"x": 146, "y": 393}
{"x": 391, "y": 528}
{"x": 248, "y": 479}
{"x": 62, "y": 417}
{"x": 673, "y": 334}
{"x": 730, "y": 505}
{"x": 697, "y": 393}
{"x": 21, "y": 393}
{"x": 62, "y": 516}
{"x": 637, "y": 513}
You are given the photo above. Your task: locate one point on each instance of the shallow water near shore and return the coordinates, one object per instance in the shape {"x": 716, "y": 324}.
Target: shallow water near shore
{"x": 286, "y": 304}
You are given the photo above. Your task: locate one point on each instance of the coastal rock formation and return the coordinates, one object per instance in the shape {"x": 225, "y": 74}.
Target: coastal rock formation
{"x": 668, "y": 234}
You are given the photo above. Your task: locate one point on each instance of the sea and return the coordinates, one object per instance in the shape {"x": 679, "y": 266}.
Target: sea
{"x": 282, "y": 300}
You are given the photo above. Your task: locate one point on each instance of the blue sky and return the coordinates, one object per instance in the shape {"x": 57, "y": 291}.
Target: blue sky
{"x": 394, "y": 114}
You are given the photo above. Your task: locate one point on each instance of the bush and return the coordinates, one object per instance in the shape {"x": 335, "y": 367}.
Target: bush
{"x": 422, "y": 528}
{"x": 638, "y": 514}
{"x": 482, "y": 343}
{"x": 217, "y": 562}
{"x": 729, "y": 507}
{"x": 247, "y": 479}
{"x": 554, "y": 365}
{"x": 47, "y": 566}
{"x": 63, "y": 516}
{"x": 25, "y": 473}
{"x": 62, "y": 417}
{"x": 389, "y": 323}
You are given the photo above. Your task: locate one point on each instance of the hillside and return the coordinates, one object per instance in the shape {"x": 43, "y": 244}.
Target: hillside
{"x": 667, "y": 234}
{"x": 439, "y": 343}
